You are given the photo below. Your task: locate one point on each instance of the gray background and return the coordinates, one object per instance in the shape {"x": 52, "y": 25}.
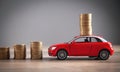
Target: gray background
{"x": 55, "y": 21}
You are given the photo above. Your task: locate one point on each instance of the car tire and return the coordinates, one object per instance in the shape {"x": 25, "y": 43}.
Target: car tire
{"x": 104, "y": 55}
{"x": 61, "y": 54}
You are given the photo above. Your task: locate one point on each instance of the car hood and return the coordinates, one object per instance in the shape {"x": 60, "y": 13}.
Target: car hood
{"x": 60, "y": 44}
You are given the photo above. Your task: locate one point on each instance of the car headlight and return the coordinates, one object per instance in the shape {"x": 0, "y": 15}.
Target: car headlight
{"x": 52, "y": 48}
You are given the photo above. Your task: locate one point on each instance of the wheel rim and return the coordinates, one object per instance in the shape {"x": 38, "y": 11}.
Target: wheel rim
{"x": 62, "y": 55}
{"x": 104, "y": 55}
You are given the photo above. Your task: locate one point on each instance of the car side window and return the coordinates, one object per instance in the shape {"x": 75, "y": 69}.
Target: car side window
{"x": 95, "y": 40}
{"x": 83, "y": 39}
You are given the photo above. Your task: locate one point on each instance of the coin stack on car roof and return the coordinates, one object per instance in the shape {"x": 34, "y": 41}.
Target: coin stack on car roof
{"x": 36, "y": 50}
{"x": 4, "y": 53}
{"x": 86, "y": 24}
{"x": 19, "y": 51}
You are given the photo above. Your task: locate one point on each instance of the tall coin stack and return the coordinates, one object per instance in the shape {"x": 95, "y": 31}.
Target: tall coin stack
{"x": 36, "y": 50}
{"x": 86, "y": 24}
{"x": 4, "y": 53}
{"x": 20, "y": 51}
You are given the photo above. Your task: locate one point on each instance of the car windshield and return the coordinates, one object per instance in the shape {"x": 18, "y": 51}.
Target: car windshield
{"x": 71, "y": 40}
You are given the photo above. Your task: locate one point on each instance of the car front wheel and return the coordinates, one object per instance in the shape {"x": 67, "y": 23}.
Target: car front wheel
{"x": 104, "y": 55}
{"x": 62, "y": 55}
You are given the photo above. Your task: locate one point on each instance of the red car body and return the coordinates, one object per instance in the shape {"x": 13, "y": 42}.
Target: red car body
{"x": 76, "y": 47}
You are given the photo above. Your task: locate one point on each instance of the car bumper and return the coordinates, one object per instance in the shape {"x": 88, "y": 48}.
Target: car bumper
{"x": 51, "y": 52}
{"x": 112, "y": 52}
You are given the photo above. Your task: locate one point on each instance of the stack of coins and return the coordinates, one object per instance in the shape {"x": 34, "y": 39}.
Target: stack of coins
{"x": 36, "y": 50}
{"x": 86, "y": 24}
{"x": 20, "y": 51}
{"x": 4, "y": 53}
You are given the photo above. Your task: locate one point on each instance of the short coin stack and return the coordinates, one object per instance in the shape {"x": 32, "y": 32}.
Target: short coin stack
{"x": 36, "y": 50}
{"x": 4, "y": 53}
{"x": 20, "y": 51}
{"x": 86, "y": 24}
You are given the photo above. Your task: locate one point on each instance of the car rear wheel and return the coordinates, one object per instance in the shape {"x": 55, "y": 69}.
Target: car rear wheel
{"x": 104, "y": 55}
{"x": 62, "y": 55}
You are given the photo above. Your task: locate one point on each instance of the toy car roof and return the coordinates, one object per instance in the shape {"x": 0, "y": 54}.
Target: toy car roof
{"x": 101, "y": 38}
{"x": 87, "y": 36}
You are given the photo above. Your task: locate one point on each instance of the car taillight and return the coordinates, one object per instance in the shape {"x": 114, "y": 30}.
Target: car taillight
{"x": 110, "y": 44}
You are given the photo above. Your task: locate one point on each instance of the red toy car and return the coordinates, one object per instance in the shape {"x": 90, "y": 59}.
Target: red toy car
{"x": 92, "y": 46}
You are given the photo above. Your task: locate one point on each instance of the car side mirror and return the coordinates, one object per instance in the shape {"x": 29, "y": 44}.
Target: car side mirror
{"x": 72, "y": 42}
